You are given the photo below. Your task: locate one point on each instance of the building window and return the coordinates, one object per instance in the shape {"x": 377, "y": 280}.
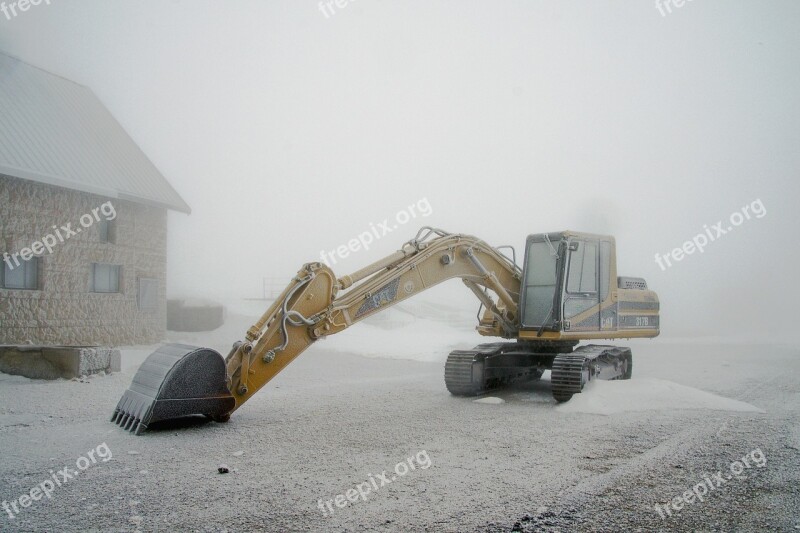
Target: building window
{"x": 107, "y": 231}
{"x": 23, "y": 276}
{"x": 105, "y": 278}
{"x": 148, "y": 294}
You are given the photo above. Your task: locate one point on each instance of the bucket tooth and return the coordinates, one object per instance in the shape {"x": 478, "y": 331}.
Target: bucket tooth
{"x": 175, "y": 381}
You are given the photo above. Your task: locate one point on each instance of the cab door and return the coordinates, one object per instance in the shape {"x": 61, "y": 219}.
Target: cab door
{"x": 543, "y": 266}
{"x": 581, "y": 296}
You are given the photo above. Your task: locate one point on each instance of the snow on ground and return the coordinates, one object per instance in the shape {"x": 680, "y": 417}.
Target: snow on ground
{"x": 492, "y": 400}
{"x": 647, "y": 394}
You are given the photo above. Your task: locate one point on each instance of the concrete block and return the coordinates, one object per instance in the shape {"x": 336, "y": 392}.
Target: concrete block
{"x": 54, "y": 362}
{"x": 194, "y": 315}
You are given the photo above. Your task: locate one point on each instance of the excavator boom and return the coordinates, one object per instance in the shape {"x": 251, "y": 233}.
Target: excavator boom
{"x": 317, "y": 304}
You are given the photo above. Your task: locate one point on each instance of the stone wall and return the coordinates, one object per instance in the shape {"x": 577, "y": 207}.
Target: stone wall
{"x": 64, "y": 311}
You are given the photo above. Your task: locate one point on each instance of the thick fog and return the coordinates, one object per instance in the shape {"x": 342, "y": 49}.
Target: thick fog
{"x": 292, "y": 127}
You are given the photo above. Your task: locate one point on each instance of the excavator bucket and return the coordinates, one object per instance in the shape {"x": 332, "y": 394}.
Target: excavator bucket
{"x": 175, "y": 381}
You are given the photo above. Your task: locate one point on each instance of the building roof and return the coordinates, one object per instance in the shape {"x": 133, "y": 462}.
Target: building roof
{"x": 57, "y": 132}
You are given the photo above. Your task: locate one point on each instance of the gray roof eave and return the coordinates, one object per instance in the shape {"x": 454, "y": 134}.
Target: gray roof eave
{"x": 55, "y": 181}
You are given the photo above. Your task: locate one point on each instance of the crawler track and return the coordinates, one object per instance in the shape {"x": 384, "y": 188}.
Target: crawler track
{"x": 459, "y": 371}
{"x": 572, "y": 371}
{"x": 489, "y": 367}
{"x": 568, "y": 375}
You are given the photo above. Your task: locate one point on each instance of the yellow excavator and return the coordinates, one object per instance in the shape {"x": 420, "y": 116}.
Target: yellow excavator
{"x": 566, "y": 291}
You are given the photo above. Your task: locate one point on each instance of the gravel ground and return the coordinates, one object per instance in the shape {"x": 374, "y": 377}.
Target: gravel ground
{"x": 332, "y": 421}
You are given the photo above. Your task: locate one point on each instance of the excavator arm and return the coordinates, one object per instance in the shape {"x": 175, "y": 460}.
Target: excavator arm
{"x": 317, "y": 304}
{"x": 179, "y": 380}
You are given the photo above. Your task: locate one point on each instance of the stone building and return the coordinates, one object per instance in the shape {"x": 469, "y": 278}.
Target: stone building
{"x": 83, "y": 219}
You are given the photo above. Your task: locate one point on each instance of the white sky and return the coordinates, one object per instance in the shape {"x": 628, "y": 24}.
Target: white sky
{"x": 288, "y": 132}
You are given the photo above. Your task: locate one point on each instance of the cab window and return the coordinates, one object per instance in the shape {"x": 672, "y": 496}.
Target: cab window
{"x": 582, "y": 277}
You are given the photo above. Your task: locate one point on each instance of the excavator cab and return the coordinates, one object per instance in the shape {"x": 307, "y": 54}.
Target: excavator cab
{"x": 566, "y": 275}
{"x": 570, "y": 289}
